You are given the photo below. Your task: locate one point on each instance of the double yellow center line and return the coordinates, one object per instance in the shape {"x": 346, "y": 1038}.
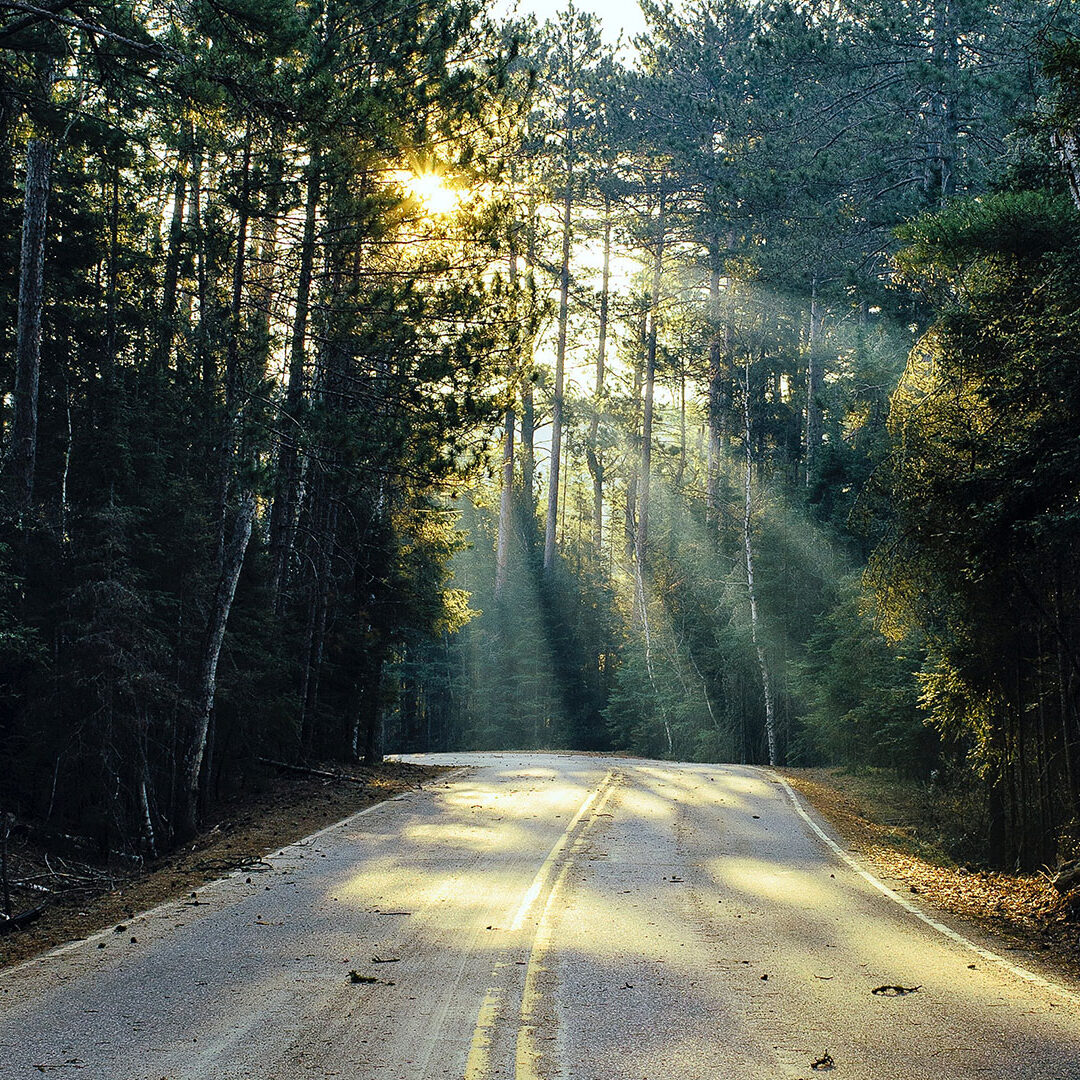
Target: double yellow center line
{"x": 547, "y": 883}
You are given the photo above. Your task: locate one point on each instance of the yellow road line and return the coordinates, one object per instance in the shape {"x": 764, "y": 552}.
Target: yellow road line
{"x": 478, "y": 1063}
{"x": 527, "y": 1054}
{"x": 542, "y": 874}
{"x": 479, "y": 1060}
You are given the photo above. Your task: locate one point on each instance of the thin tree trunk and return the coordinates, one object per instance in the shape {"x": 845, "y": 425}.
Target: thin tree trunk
{"x": 755, "y": 629}
{"x": 641, "y": 535}
{"x": 171, "y": 275}
{"x": 940, "y": 180}
{"x": 506, "y": 496}
{"x": 680, "y": 472}
{"x": 506, "y": 505}
{"x": 1066, "y": 145}
{"x": 551, "y": 521}
{"x": 716, "y": 374}
{"x": 324, "y": 520}
{"x": 283, "y": 512}
{"x": 630, "y": 523}
{"x": 593, "y": 455}
{"x": 814, "y": 379}
{"x": 39, "y": 156}
{"x": 112, "y": 275}
{"x": 206, "y": 685}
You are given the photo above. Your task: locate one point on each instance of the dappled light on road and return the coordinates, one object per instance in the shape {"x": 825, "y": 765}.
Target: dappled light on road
{"x": 541, "y": 917}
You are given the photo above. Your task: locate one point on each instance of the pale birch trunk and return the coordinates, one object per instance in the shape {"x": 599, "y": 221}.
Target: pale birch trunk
{"x": 1066, "y": 145}
{"x": 206, "y": 685}
{"x": 748, "y": 547}
{"x": 231, "y": 546}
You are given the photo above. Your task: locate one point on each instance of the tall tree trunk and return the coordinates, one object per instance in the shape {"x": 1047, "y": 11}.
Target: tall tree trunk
{"x": 206, "y": 685}
{"x": 593, "y": 455}
{"x": 551, "y": 521}
{"x": 39, "y": 156}
{"x": 644, "y": 479}
{"x": 940, "y": 182}
{"x": 814, "y": 379}
{"x": 716, "y": 375}
{"x": 1066, "y": 145}
{"x": 528, "y": 408}
{"x": 748, "y": 547}
{"x": 229, "y": 549}
{"x": 171, "y": 274}
{"x": 641, "y": 535}
{"x": 506, "y": 505}
{"x": 325, "y": 532}
{"x": 283, "y": 512}
{"x": 630, "y": 521}
{"x": 680, "y": 471}
{"x": 506, "y": 495}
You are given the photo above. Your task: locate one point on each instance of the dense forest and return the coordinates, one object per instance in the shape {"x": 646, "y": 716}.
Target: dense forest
{"x": 389, "y": 376}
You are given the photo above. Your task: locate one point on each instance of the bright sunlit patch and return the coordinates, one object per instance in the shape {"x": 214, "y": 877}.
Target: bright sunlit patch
{"x": 431, "y": 191}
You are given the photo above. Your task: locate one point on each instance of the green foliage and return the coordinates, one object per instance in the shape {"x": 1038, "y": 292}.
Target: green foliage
{"x": 859, "y": 693}
{"x": 985, "y": 489}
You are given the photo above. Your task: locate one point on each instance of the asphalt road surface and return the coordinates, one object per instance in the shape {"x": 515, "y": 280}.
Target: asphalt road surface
{"x": 544, "y": 916}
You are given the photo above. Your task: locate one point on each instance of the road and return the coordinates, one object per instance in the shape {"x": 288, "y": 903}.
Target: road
{"x": 539, "y": 916}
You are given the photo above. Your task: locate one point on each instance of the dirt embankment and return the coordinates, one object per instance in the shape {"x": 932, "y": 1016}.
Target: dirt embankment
{"x": 285, "y": 806}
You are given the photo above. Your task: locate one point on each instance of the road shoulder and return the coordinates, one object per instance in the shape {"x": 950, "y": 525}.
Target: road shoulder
{"x": 1020, "y": 914}
{"x": 279, "y": 810}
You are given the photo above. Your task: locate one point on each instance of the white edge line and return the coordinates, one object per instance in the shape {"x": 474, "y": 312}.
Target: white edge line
{"x": 109, "y": 932}
{"x": 947, "y": 931}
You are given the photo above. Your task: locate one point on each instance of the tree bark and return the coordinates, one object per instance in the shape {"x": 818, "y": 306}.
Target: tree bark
{"x": 641, "y": 535}
{"x": 283, "y": 512}
{"x": 1066, "y": 145}
{"x": 593, "y": 456}
{"x": 171, "y": 274}
{"x": 814, "y": 380}
{"x": 551, "y": 521}
{"x": 39, "y": 156}
{"x": 506, "y": 505}
{"x": 716, "y": 374}
{"x": 748, "y": 547}
{"x": 206, "y": 685}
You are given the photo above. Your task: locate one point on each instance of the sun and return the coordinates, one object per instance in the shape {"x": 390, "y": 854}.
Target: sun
{"x": 431, "y": 191}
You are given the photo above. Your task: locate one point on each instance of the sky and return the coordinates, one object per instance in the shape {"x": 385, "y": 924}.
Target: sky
{"x": 616, "y": 16}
